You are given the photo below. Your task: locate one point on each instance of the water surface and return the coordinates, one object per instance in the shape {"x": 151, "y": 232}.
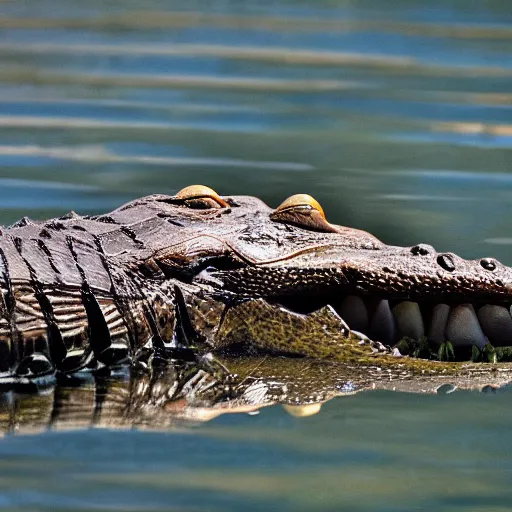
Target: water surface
{"x": 395, "y": 115}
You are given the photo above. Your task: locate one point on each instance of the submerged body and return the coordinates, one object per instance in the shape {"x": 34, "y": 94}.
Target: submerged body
{"x": 82, "y": 291}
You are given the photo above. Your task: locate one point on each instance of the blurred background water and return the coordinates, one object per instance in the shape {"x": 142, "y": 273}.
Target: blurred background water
{"x": 395, "y": 115}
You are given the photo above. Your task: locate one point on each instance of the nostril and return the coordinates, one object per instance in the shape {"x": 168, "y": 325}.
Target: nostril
{"x": 421, "y": 249}
{"x": 488, "y": 264}
{"x": 446, "y": 261}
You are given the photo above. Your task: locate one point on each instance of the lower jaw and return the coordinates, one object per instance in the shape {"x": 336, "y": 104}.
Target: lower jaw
{"x": 428, "y": 329}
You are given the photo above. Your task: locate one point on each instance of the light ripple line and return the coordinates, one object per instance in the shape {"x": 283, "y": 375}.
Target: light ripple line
{"x": 498, "y": 241}
{"x": 268, "y": 54}
{"x": 50, "y": 185}
{"x": 159, "y": 19}
{"x": 100, "y": 154}
{"x": 21, "y": 74}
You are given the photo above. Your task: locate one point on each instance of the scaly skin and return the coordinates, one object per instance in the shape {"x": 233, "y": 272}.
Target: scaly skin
{"x": 79, "y": 291}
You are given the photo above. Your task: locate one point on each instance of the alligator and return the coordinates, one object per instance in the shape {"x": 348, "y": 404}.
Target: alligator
{"x": 197, "y": 273}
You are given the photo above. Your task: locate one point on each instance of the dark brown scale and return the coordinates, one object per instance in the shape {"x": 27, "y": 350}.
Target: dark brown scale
{"x": 50, "y": 344}
{"x": 116, "y": 311}
{"x": 97, "y": 329}
{"x": 12, "y": 266}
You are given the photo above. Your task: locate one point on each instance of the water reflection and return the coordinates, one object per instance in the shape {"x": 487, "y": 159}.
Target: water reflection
{"x": 171, "y": 395}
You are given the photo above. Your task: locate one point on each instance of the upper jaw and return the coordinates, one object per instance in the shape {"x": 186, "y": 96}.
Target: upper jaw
{"x": 386, "y": 318}
{"x": 388, "y": 294}
{"x": 417, "y": 272}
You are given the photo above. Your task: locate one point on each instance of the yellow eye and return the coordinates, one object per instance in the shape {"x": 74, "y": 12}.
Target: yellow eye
{"x": 303, "y": 211}
{"x": 201, "y": 197}
{"x": 300, "y": 201}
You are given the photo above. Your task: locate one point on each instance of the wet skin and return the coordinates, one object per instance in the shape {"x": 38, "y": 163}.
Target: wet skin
{"x": 232, "y": 275}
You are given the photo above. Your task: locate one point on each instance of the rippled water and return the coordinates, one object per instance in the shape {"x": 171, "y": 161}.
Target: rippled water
{"x": 395, "y": 115}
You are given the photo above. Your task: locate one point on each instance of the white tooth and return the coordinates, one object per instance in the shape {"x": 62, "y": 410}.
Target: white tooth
{"x": 496, "y": 324}
{"x": 302, "y": 411}
{"x": 382, "y": 324}
{"x": 463, "y": 327}
{"x": 354, "y": 312}
{"x": 409, "y": 320}
{"x": 438, "y": 323}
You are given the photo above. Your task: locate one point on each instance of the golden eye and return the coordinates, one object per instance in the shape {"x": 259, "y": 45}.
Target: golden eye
{"x": 201, "y": 197}
{"x": 304, "y": 211}
{"x": 300, "y": 201}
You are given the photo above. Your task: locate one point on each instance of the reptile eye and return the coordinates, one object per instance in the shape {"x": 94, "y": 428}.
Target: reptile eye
{"x": 299, "y": 203}
{"x": 303, "y": 211}
{"x": 200, "y": 197}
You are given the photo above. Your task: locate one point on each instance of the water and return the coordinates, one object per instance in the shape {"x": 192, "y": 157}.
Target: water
{"x": 394, "y": 115}
{"x": 375, "y": 451}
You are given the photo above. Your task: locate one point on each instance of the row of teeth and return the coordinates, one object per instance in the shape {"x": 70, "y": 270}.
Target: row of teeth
{"x": 462, "y": 324}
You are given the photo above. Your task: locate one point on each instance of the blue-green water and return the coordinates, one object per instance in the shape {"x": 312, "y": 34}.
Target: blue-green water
{"x": 376, "y": 451}
{"x": 396, "y": 116}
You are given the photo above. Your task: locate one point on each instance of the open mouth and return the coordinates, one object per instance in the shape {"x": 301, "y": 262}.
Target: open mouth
{"x": 389, "y": 321}
{"x": 466, "y": 328}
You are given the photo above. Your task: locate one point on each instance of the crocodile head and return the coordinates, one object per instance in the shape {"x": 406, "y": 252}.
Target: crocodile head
{"x": 232, "y": 273}
{"x": 238, "y": 250}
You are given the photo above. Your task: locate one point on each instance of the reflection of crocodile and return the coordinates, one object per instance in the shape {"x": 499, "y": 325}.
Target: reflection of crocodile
{"x": 86, "y": 291}
{"x": 170, "y": 394}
